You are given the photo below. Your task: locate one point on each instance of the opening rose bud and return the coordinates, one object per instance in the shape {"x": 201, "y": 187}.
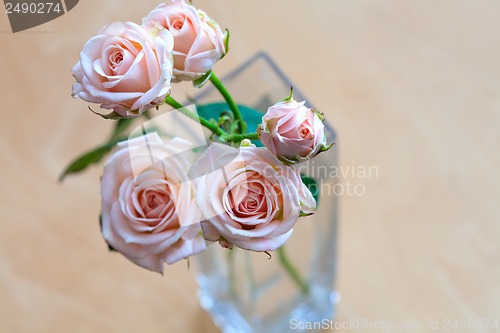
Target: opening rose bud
{"x": 292, "y": 131}
{"x": 148, "y": 210}
{"x": 198, "y": 40}
{"x": 125, "y": 68}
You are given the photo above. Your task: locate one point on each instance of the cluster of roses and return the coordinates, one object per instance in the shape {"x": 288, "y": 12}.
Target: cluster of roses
{"x": 160, "y": 205}
{"x": 129, "y": 67}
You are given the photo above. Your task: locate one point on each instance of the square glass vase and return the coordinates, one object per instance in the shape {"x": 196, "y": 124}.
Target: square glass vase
{"x": 249, "y": 292}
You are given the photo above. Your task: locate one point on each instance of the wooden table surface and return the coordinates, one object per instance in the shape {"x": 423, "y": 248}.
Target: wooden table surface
{"x": 412, "y": 87}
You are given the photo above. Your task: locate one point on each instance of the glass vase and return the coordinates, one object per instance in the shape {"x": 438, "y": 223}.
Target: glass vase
{"x": 251, "y": 292}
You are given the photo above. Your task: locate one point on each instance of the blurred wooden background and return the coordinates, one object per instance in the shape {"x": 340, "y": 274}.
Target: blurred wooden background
{"x": 412, "y": 87}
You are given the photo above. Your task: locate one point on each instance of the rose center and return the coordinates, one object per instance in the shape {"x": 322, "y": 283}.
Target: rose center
{"x": 177, "y": 24}
{"x": 305, "y": 132}
{"x": 249, "y": 204}
{"x": 115, "y": 60}
{"x": 153, "y": 201}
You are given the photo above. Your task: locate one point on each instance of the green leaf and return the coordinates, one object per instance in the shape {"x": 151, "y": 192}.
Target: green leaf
{"x": 320, "y": 115}
{"x": 313, "y": 186}
{"x": 327, "y": 147}
{"x": 200, "y": 82}
{"x": 253, "y": 117}
{"x": 88, "y": 158}
{"x": 226, "y": 122}
{"x": 226, "y": 43}
{"x": 302, "y": 214}
{"x": 290, "y": 97}
{"x": 225, "y": 117}
{"x": 289, "y": 161}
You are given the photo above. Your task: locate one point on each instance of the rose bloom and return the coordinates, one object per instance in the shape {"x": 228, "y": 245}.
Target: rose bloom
{"x": 125, "y": 68}
{"x": 198, "y": 40}
{"x": 292, "y": 131}
{"x": 148, "y": 210}
{"x": 253, "y": 200}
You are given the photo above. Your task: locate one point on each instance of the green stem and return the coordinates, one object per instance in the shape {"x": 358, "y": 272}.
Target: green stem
{"x": 294, "y": 273}
{"x": 231, "y": 272}
{"x": 229, "y": 100}
{"x": 211, "y": 126}
{"x": 241, "y": 137}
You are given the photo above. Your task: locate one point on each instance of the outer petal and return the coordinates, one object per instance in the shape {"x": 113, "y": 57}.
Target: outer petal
{"x": 184, "y": 248}
{"x": 149, "y": 242}
{"x": 264, "y": 244}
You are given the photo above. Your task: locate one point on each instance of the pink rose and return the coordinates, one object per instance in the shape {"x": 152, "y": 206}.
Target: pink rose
{"x": 148, "y": 210}
{"x": 252, "y": 201}
{"x": 125, "y": 68}
{"x": 292, "y": 131}
{"x": 198, "y": 41}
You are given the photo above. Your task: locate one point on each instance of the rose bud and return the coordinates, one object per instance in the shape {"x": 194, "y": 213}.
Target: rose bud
{"x": 198, "y": 40}
{"x": 292, "y": 131}
{"x": 125, "y": 68}
{"x": 149, "y": 212}
{"x": 249, "y": 198}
